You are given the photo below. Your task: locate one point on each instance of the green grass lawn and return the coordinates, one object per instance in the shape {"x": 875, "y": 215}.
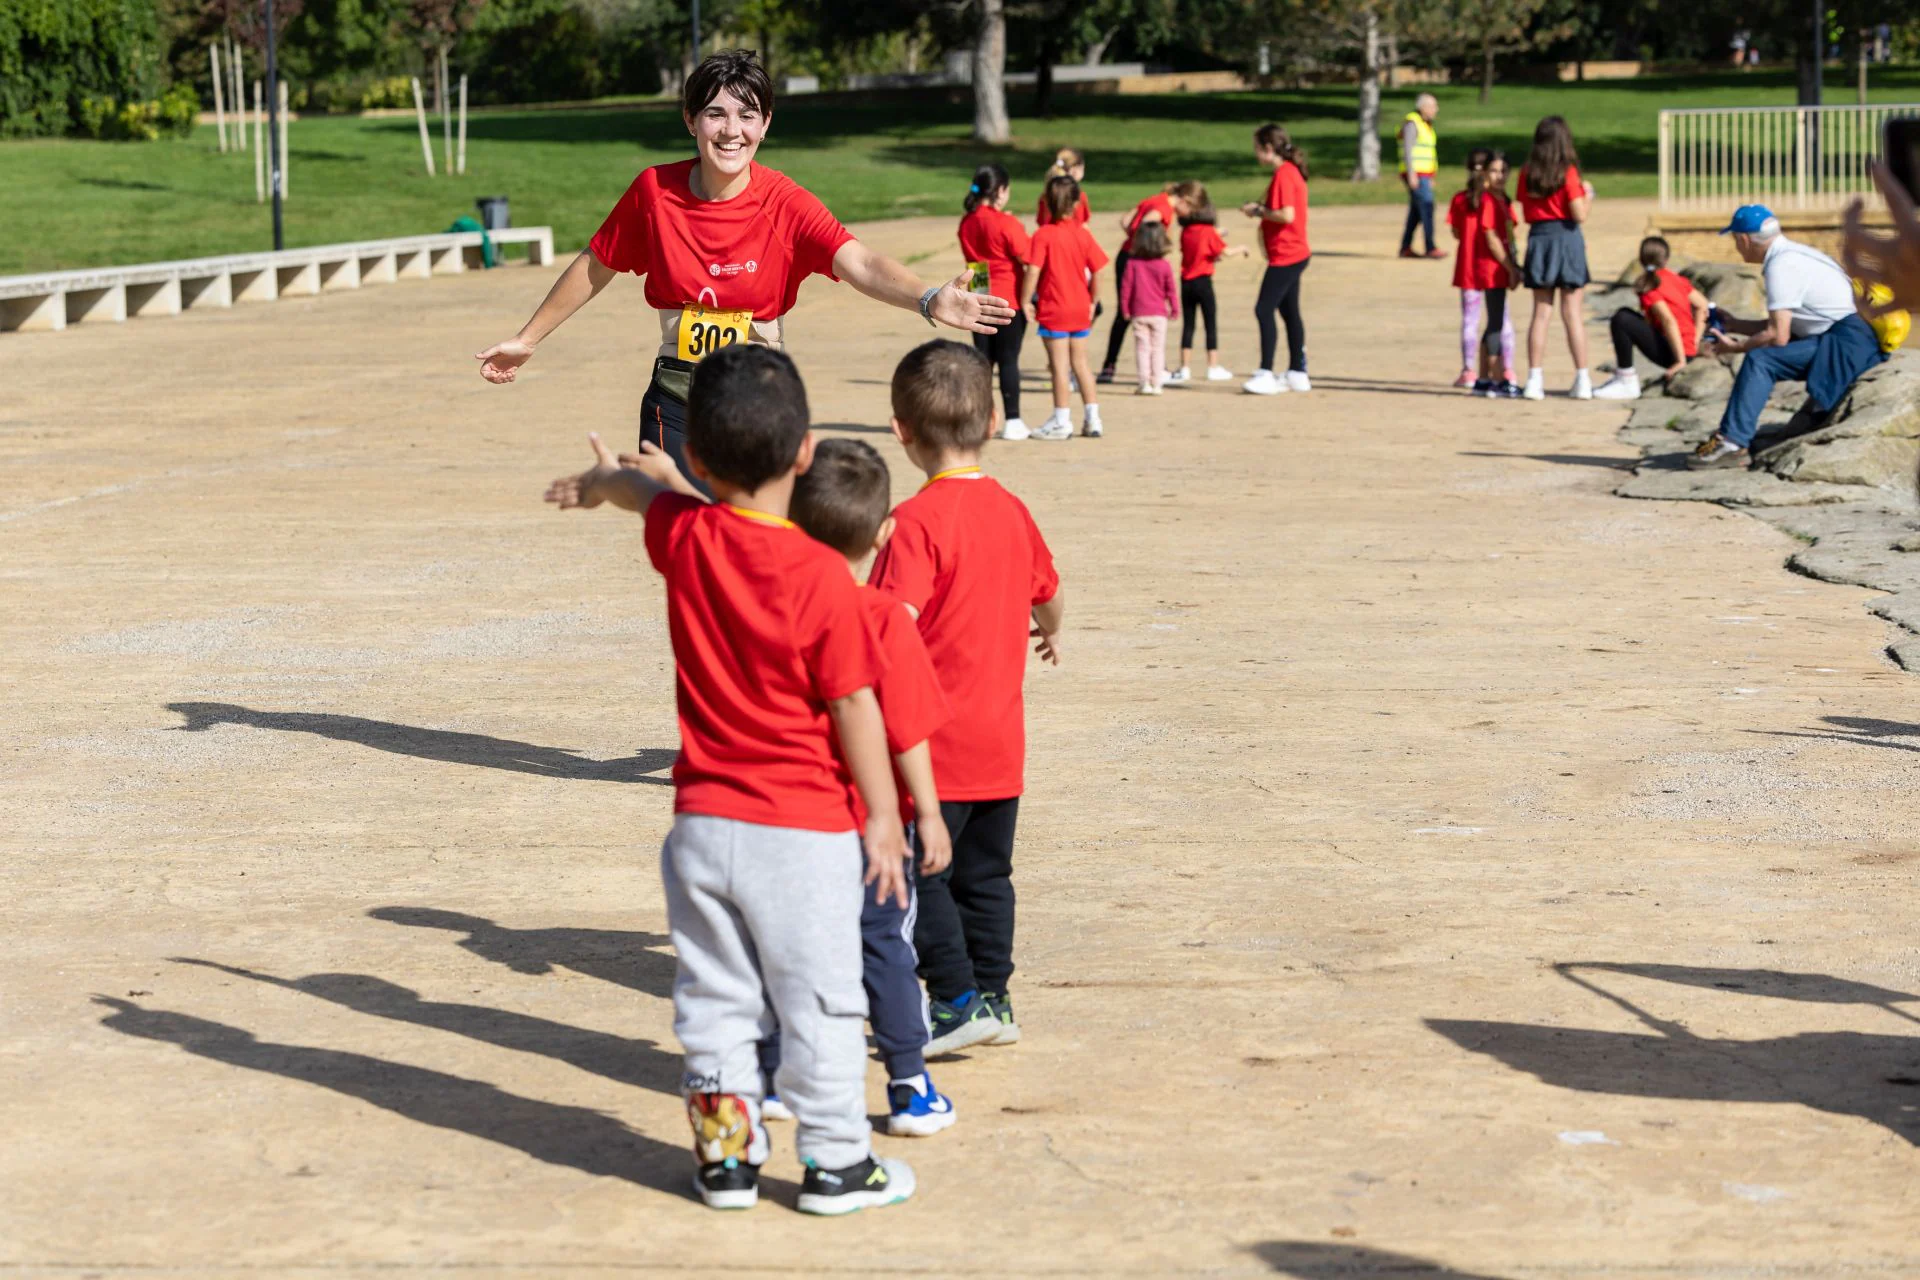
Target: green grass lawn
{"x": 76, "y": 204}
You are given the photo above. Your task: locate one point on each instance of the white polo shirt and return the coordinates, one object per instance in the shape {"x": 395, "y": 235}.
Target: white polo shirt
{"x": 1805, "y": 281}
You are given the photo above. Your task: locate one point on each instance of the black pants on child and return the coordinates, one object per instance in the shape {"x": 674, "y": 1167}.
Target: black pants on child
{"x": 1002, "y": 349}
{"x": 965, "y": 932}
{"x": 1197, "y": 295}
{"x": 1119, "y": 329}
{"x": 1631, "y": 330}
{"x": 895, "y": 1006}
{"x": 1280, "y": 292}
{"x": 1496, "y": 300}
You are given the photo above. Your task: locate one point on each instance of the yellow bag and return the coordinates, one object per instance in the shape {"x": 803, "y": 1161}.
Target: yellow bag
{"x": 1893, "y": 327}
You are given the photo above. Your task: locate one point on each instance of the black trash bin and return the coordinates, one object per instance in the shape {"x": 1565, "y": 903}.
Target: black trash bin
{"x": 494, "y": 215}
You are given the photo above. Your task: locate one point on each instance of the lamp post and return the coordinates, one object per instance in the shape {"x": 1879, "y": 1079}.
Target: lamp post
{"x": 273, "y": 130}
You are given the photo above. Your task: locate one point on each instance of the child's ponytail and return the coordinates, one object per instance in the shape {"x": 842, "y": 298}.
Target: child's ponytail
{"x": 1272, "y": 137}
{"x": 1477, "y": 161}
{"x": 989, "y": 180}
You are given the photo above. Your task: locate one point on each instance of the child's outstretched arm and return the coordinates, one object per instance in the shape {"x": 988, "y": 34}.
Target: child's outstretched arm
{"x": 863, "y": 737}
{"x": 629, "y": 488}
{"x": 1047, "y": 619}
{"x": 657, "y": 465}
{"x": 916, "y": 770}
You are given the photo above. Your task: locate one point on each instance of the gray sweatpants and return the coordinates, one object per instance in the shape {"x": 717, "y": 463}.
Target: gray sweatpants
{"x": 766, "y": 924}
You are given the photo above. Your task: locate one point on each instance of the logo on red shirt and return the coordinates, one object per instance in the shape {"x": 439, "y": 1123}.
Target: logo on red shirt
{"x": 732, "y": 268}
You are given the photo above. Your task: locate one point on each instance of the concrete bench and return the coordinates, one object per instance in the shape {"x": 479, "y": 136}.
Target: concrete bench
{"x": 56, "y": 299}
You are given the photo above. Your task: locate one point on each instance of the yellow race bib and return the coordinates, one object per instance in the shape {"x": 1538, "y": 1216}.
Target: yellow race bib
{"x": 982, "y": 278}
{"x": 704, "y": 330}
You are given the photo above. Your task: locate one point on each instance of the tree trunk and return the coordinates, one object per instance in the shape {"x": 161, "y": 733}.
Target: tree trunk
{"x": 1486, "y": 73}
{"x": 1043, "y": 80}
{"x": 1393, "y": 59}
{"x": 1097, "y": 51}
{"x": 990, "y": 76}
{"x": 1366, "y": 165}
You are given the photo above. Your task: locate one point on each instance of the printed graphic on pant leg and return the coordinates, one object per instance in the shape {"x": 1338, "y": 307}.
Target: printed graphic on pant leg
{"x": 726, "y": 1127}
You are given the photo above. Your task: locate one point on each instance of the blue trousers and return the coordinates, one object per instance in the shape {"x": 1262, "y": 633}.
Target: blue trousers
{"x": 1419, "y": 213}
{"x": 1829, "y": 363}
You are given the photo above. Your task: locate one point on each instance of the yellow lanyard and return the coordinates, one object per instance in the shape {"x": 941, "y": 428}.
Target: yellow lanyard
{"x": 949, "y": 474}
{"x": 761, "y": 517}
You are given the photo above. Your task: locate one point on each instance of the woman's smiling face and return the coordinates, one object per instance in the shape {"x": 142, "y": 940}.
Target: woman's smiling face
{"x": 728, "y": 132}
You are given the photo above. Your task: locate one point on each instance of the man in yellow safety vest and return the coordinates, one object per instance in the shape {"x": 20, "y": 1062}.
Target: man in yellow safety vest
{"x": 1419, "y": 162}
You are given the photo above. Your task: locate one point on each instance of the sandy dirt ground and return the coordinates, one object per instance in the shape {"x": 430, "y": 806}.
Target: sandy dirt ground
{"x": 1429, "y": 861}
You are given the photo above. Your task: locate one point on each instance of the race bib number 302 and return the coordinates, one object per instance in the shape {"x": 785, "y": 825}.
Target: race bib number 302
{"x": 704, "y": 331}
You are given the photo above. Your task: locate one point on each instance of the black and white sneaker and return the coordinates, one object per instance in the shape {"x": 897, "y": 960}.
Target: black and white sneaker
{"x": 871, "y": 1184}
{"x": 728, "y": 1184}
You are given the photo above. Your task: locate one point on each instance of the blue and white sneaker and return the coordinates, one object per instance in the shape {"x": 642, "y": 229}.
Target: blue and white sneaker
{"x": 919, "y": 1109}
{"x": 771, "y": 1108}
{"x": 963, "y": 1023}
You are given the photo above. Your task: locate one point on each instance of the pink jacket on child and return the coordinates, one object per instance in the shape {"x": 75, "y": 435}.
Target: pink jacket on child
{"x": 1149, "y": 288}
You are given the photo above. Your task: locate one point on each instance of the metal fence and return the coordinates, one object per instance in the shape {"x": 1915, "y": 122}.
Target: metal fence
{"x": 1783, "y": 157}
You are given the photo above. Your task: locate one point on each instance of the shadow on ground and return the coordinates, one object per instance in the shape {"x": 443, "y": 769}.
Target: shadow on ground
{"x": 573, "y": 1137}
{"x": 1312, "y": 1260}
{"x": 1870, "y": 1075}
{"x": 626, "y": 1061}
{"x": 1861, "y": 729}
{"x": 436, "y": 744}
{"x": 624, "y": 958}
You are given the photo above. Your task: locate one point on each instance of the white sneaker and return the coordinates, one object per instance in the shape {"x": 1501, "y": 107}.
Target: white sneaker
{"x": 1582, "y": 388}
{"x": 1536, "y": 388}
{"x": 1297, "y": 380}
{"x": 1091, "y": 429}
{"x": 771, "y": 1108}
{"x": 1264, "y": 383}
{"x": 1219, "y": 374}
{"x": 1014, "y": 429}
{"x": 1621, "y": 386}
{"x": 1054, "y": 429}
{"x": 1182, "y": 374}
{"x": 1165, "y": 378}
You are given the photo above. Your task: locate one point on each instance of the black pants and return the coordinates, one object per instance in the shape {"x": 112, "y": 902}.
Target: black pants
{"x": 1002, "y": 347}
{"x": 1119, "y": 330}
{"x": 1280, "y": 292}
{"x": 1496, "y": 300}
{"x": 965, "y": 931}
{"x": 1197, "y": 295}
{"x": 663, "y": 414}
{"x": 1632, "y": 330}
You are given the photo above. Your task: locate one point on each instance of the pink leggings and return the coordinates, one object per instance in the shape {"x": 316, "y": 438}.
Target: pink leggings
{"x": 1499, "y": 320}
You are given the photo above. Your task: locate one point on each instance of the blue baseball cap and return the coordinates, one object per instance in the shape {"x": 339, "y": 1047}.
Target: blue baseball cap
{"x": 1747, "y": 219}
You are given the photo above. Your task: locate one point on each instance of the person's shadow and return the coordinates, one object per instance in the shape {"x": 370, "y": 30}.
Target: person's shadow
{"x": 618, "y": 1058}
{"x": 1870, "y": 1075}
{"x": 436, "y": 744}
{"x": 572, "y": 1137}
{"x": 1314, "y": 1260}
{"x": 622, "y": 957}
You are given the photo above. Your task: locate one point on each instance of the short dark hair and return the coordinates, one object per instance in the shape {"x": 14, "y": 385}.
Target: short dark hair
{"x": 944, "y": 391}
{"x": 844, "y": 496}
{"x": 1150, "y": 241}
{"x": 746, "y": 414}
{"x": 736, "y": 71}
{"x": 1654, "y": 252}
{"x": 1063, "y": 197}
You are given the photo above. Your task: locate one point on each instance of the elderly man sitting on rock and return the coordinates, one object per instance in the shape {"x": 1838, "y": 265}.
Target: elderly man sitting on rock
{"x": 1812, "y": 334}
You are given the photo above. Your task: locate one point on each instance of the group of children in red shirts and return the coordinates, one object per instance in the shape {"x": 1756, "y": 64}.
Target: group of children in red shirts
{"x": 825, "y": 725}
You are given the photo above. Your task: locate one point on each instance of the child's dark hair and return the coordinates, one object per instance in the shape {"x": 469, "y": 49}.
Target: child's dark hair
{"x": 1552, "y": 155}
{"x": 1202, "y": 214}
{"x": 1478, "y": 158}
{"x": 1063, "y": 197}
{"x": 746, "y": 414}
{"x": 1150, "y": 241}
{"x": 989, "y": 180}
{"x": 843, "y": 498}
{"x": 1655, "y": 253}
{"x": 735, "y": 71}
{"x": 1271, "y": 137}
{"x": 943, "y": 391}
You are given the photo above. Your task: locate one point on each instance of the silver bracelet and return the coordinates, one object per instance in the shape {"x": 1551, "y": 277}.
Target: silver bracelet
{"x": 926, "y": 304}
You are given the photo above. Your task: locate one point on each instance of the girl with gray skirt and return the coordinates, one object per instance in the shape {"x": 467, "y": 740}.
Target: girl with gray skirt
{"x": 1554, "y": 201}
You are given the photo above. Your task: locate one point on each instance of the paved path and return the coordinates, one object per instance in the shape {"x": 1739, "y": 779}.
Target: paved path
{"x": 1429, "y": 858}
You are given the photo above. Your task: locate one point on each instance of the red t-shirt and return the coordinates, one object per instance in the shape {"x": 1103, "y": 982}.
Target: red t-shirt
{"x": 967, "y": 555}
{"x": 1200, "y": 247}
{"x": 750, "y": 251}
{"x": 767, "y": 628}
{"x": 911, "y": 700}
{"x": 1081, "y": 212}
{"x": 1676, "y": 291}
{"x": 996, "y": 238}
{"x": 1286, "y": 242}
{"x": 1066, "y": 255}
{"x": 1161, "y": 204}
{"x": 1554, "y": 206}
{"x": 1474, "y": 266}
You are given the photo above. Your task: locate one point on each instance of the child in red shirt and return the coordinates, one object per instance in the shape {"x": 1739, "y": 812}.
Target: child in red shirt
{"x": 1481, "y": 219}
{"x": 1202, "y": 246}
{"x": 775, "y": 660}
{"x": 1554, "y": 199}
{"x": 967, "y": 559}
{"x": 1668, "y": 327}
{"x": 1063, "y": 262}
{"x": 1147, "y": 297}
{"x": 1283, "y": 229}
{"x": 995, "y": 246}
{"x": 1068, "y": 162}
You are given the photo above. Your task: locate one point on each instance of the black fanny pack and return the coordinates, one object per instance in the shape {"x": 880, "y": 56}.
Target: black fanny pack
{"x": 674, "y": 377}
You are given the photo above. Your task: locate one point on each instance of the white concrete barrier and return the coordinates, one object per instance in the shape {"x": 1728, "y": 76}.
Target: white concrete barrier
{"x": 100, "y": 295}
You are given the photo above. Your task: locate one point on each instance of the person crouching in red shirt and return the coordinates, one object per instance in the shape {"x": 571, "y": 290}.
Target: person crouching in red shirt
{"x": 1668, "y": 327}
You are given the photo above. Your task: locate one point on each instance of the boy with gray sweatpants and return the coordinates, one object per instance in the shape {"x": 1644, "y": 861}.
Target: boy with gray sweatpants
{"x": 774, "y": 665}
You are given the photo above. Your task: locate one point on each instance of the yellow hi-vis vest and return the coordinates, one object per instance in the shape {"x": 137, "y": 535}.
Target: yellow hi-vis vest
{"x": 1426, "y": 152}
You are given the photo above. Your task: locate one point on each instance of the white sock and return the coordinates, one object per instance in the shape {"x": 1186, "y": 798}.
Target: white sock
{"x": 1063, "y": 415}
{"x": 1093, "y": 413}
{"x": 1534, "y": 374}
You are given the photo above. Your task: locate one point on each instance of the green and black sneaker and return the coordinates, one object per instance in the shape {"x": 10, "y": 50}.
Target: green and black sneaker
{"x": 871, "y": 1184}
{"x": 961, "y": 1024}
{"x": 1002, "y": 1010}
{"x": 728, "y": 1184}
